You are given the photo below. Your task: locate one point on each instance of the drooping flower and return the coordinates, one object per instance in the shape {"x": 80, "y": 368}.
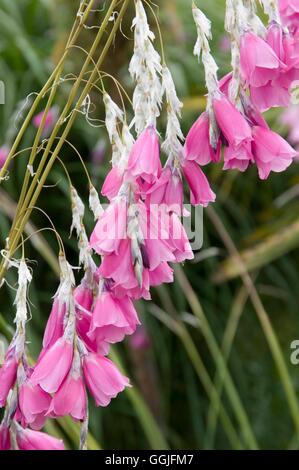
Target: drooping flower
{"x": 200, "y": 190}
{"x": 259, "y": 63}
{"x": 113, "y": 318}
{"x": 33, "y": 405}
{"x": 5, "y": 443}
{"x": 198, "y": 146}
{"x": 55, "y": 324}
{"x": 144, "y": 160}
{"x": 27, "y": 439}
{"x": 271, "y": 152}
{"x": 103, "y": 379}
{"x": 8, "y": 374}
{"x": 51, "y": 370}
{"x": 70, "y": 399}
{"x": 289, "y": 11}
{"x": 168, "y": 189}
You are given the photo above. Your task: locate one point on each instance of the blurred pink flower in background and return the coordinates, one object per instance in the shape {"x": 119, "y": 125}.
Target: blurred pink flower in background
{"x": 224, "y": 43}
{"x": 98, "y": 152}
{"x": 290, "y": 119}
{"x": 4, "y": 151}
{"x": 140, "y": 340}
{"x": 50, "y": 120}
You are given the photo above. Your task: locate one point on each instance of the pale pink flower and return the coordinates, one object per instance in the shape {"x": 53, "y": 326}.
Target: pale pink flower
{"x": 144, "y": 159}
{"x": 27, "y": 439}
{"x": 200, "y": 190}
{"x": 197, "y": 145}
{"x": 289, "y": 11}
{"x": 33, "y": 405}
{"x": 53, "y": 367}
{"x": 84, "y": 302}
{"x": 8, "y": 374}
{"x": 103, "y": 378}
{"x": 70, "y": 399}
{"x": 271, "y": 152}
{"x": 168, "y": 189}
{"x": 113, "y": 318}
{"x": 259, "y": 63}
{"x": 178, "y": 239}
{"x": 238, "y": 157}
{"x": 163, "y": 274}
{"x": 111, "y": 228}
{"x": 4, "y": 438}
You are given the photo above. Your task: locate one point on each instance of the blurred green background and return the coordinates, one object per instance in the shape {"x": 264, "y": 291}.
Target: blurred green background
{"x": 211, "y": 314}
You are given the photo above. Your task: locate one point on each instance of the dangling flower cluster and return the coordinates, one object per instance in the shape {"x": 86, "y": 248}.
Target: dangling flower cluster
{"x": 140, "y": 232}
{"x": 266, "y": 67}
{"x": 73, "y": 358}
{"x": 26, "y": 403}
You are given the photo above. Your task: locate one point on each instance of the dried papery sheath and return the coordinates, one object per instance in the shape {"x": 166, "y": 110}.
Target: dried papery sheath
{"x": 202, "y": 49}
{"x": 145, "y": 68}
{"x": 67, "y": 281}
{"x": 85, "y": 257}
{"x": 94, "y": 203}
{"x": 24, "y": 278}
{"x": 254, "y": 22}
{"x": 271, "y": 9}
{"x": 114, "y": 115}
{"x": 172, "y": 145}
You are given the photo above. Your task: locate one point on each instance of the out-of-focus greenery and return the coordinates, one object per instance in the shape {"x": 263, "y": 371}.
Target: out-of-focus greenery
{"x": 172, "y": 398}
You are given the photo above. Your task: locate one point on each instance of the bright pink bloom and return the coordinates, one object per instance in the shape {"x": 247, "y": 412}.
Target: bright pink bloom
{"x": 197, "y": 145}
{"x": 200, "y": 191}
{"x": 113, "y": 318}
{"x": 103, "y": 378}
{"x": 55, "y": 325}
{"x": 70, "y": 399}
{"x": 259, "y": 63}
{"x": 33, "y": 405}
{"x": 289, "y": 11}
{"x": 231, "y": 122}
{"x": 271, "y": 152}
{"x": 144, "y": 159}
{"x": 8, "y": 374}
{"x": 112, "y": 183}
{"x": 4, "y": 438}
{"x": 54, "y": 366}
{"x": 35, "y": 440}
{"x": 110, "y": 229}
